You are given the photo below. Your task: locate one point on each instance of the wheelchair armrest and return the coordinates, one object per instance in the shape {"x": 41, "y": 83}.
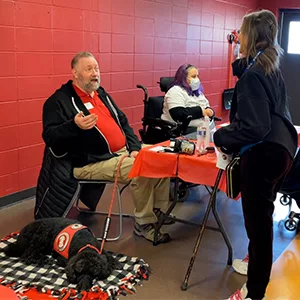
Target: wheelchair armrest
{"x": 139, "y": 86}
{"x": 216, "y": 119}
{"x": 159, "y": 122}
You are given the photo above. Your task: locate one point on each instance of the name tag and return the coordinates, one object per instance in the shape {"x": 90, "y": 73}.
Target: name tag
{"x": 88, "y": 105}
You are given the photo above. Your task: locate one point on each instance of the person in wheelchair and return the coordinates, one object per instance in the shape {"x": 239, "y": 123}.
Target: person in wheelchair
{"x": 82, "y": 120}
{"x": 185, "y": 101}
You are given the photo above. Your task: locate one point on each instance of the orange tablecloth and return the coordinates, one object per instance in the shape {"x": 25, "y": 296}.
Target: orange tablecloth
{"x": 191, "y": 168}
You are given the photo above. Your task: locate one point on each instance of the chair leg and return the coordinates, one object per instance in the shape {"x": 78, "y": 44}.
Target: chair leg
{"x": 74, "y": 199}
{"x": 105, "y": 213}
{"x": 124, "y": 187}
{"x": 119, "y": 214}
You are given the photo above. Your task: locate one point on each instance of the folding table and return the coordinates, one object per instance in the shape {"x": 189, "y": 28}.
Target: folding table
{"x": 153, "y": 163}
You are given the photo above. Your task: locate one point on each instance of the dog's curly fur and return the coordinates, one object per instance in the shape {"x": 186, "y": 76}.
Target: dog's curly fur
{"x": 35, "y": 242}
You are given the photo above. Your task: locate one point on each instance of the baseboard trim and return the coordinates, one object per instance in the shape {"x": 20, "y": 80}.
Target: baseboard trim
{"x": 17, "y": 197}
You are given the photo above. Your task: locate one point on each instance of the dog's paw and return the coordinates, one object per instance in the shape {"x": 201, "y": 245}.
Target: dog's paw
{"x": 84, "y": 283}
{"x": 49, "y": 260}
{"x": 45, "y": 261}
{"x": 113, "y": 263}
{"x": 13, "y": 250}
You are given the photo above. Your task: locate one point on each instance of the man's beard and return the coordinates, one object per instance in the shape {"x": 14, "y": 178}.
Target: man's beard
{"x": 92, "y": 86}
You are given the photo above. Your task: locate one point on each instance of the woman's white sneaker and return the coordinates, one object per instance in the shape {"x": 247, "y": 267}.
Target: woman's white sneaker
{"x": 240, "y": 294}
{"x": 241, "y": 265}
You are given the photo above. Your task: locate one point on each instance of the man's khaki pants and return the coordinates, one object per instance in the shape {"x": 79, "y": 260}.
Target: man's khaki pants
{"x": 147, "y": 193}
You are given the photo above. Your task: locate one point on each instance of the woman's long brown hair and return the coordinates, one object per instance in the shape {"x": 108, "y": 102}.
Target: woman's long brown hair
{"x": 260, "y": 30}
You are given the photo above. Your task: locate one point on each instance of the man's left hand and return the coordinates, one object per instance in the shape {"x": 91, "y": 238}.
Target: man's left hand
{"x": 133, "y": 154}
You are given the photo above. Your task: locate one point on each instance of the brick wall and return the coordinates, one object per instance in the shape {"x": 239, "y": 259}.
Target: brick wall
{"x": 135, "y": 41}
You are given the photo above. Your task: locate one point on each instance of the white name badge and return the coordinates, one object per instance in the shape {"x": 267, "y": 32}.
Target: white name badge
{"x": 88, "y": 105}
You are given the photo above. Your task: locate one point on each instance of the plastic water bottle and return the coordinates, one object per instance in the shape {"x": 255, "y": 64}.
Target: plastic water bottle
{"x": 203, "y": 135}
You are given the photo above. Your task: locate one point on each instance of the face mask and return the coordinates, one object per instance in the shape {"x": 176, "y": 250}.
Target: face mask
{"x": 195, "y": 84}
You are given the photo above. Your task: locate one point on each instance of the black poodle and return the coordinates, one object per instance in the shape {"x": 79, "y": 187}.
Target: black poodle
{"x": 81, "y": 258}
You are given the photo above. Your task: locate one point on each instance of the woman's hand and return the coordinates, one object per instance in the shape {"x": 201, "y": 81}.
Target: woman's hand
{"x": 208, "y": 112}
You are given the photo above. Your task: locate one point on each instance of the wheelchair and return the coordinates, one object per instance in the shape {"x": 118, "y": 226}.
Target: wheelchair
{"x": 286, "y": 199}
{"x": 290, "y": 190}
{"x": 155, "y": 130}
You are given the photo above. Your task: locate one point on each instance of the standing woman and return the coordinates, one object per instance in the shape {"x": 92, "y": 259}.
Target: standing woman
{"x": 262, "y": 132}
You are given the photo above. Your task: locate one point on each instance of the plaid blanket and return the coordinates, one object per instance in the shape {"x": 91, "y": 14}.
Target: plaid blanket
{"x": 51, "y": 278}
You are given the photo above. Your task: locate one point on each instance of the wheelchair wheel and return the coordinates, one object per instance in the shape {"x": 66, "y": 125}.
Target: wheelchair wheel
{"x": 285, "y": 200}
{"x": 290, "y": 224}
{"x": 182, "y": 194}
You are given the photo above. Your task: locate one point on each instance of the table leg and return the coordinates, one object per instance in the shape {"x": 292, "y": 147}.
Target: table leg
{"x": 211, "y": 203}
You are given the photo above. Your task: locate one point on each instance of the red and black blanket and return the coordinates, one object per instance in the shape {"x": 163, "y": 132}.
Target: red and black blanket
{"x": 51, "y": 279}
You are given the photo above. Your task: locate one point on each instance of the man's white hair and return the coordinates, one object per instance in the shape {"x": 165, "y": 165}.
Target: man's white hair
{"x": 80, "y": 55}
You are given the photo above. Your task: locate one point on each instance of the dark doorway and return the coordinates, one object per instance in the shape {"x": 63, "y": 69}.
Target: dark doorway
{"x": 289, "y": 39}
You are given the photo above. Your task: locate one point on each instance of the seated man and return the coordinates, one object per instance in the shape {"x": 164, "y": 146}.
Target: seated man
{"x": 82, "y": 119}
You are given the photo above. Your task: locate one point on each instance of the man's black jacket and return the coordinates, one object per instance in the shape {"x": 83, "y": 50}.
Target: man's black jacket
{"x": 83, "y": 146}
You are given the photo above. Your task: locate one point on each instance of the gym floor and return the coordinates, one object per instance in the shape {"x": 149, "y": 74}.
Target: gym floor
{"x": 211, "y": 278}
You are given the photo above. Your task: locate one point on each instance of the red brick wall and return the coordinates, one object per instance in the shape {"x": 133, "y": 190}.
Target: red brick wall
{"x": 136, "y": 42}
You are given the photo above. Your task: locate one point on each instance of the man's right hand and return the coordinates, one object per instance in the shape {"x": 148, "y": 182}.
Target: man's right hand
{"x": 85, "y": 122}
